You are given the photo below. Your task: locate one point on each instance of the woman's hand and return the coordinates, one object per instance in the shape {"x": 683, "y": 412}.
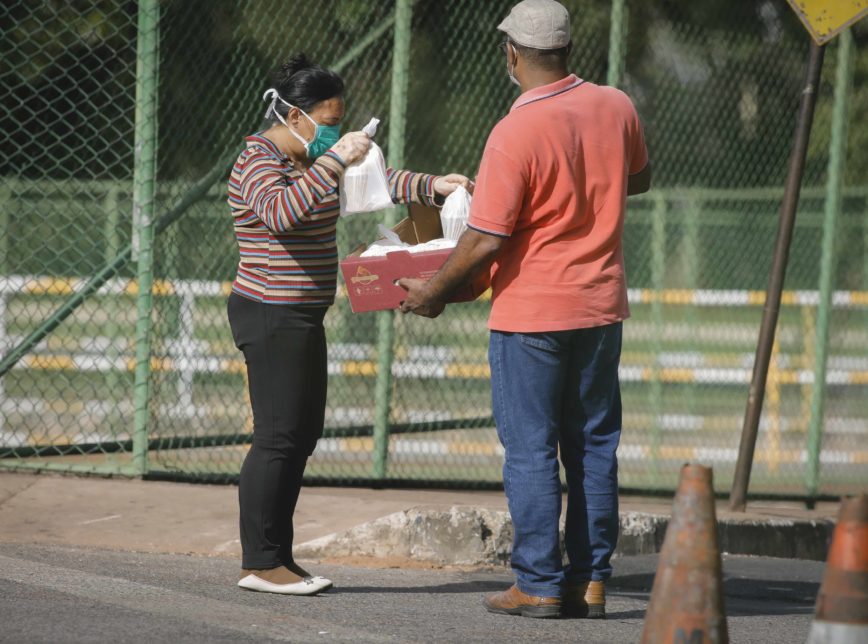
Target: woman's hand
{"x": 352, "y": 147}
{"x": 447, "y": 184}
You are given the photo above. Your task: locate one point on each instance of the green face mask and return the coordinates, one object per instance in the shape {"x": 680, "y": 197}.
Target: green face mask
{"x": 324, "y": 136}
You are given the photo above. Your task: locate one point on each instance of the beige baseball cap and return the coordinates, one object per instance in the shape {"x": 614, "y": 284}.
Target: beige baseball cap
{"x": 539, "y": 24}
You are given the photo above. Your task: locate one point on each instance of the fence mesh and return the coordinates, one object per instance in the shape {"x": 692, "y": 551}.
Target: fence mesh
{"x": 717, "y": 90}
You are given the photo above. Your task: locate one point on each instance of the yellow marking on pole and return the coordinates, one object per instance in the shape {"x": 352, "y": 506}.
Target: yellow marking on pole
{"x": 364, "y": 444}
{"x": 825, "y": 19}
{"x": 773, "y": 458}
{"x": 51, "y": 363}
{"x": 859, "y": 377}
{"x": 473, "y": 448}
{"x": 234, "y": 366}
{"x": 162, "y": 364}
{"x": 773, "y": 407}
{"x": 359, "y": 368}
{"x": 163, "y": 287}
{"x": 159, "y": 287}
{"x": 50, "y": 286}
{"x": 468, "y": 371}
{"x": 226, "y": 288}
{"x": 756, "y": 297}
{"x": 789, "y": 297}
{"x": 677, "y": 296}
{"x": 859, "y": 298}
{"x": 789, "y": 376}
{"x": 678, "y": 375}
{"x": 859, "y": 458}
{"x": 672, "y": 453}
{"x": 808, "y": 357}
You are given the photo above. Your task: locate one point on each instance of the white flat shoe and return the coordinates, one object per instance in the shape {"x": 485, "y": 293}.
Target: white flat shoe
{"x": 304, "y": 587}
{"x": 322, "y": 582}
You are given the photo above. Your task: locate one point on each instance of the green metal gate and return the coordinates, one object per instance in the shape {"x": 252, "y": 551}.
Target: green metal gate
{"x": 116, "y": 247}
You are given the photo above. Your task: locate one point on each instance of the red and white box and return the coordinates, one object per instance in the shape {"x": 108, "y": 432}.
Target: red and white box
{"x": 371, "y": 281}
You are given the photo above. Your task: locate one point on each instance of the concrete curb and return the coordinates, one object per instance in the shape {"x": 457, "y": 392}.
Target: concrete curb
{"x": 465, "y": 535}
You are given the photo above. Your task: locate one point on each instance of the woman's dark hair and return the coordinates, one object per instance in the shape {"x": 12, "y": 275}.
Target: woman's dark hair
{"x": 304, "y": 84}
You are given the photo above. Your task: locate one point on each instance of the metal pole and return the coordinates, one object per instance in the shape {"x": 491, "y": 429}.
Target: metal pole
{"x": 143, "y": 213}
{"x": 738, "y": 494}
{"x": 837, "y": 154}
{"x": 386, "y": 319}
{"x": 617, "y": 42}
{"x": 115, "y": 307}
{"x": 691, "y": 272}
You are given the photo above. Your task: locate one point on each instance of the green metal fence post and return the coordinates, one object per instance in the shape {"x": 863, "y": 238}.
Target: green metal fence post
{"x": 114, "y": 305}
{"x": 617, "y": 42}
{"x": 837, "y": 153}
{"x": 144, "y": 177}
{"x": 691, "y": 281}
{"x": 658, "y": 275}
{"x": 386, "y": 319}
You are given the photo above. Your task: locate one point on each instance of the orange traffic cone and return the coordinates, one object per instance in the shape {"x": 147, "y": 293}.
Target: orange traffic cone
{"x": 842, "y": 605}
{"x": 687, "y": 598}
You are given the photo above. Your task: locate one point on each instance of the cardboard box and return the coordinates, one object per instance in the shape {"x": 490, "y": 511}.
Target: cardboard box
{"x": 371, "y": 280}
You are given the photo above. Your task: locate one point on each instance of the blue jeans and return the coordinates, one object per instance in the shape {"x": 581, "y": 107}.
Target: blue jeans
{"x": 559, "y": 390}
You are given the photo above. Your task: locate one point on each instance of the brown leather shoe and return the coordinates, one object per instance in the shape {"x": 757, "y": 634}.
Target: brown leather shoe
{"x": 515, "y": 602}
{"x": 585, "y": 601}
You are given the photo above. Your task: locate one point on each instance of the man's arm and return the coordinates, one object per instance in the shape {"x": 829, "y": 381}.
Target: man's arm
{"x": 639, "y": 182}
{"x": 474, "y": 252}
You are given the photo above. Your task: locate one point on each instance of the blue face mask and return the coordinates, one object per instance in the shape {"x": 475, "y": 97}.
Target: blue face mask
{"x": 324, "y": 136}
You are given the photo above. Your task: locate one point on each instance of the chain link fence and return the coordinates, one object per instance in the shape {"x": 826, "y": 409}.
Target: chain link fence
{"x": 118, "y": 115}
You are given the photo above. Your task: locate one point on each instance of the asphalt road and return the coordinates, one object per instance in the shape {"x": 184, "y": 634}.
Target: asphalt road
{"x": 58, "y": 594}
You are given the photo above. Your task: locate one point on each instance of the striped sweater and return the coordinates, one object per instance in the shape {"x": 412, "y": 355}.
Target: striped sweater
{"x": 285, "y": 222}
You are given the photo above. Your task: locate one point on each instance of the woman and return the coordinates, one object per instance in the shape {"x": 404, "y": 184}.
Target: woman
{"x": 283, "y": 193}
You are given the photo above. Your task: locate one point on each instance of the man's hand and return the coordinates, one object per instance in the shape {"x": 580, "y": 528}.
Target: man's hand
{"x": 419, "y": 300}
{"x": 447, "y": 184}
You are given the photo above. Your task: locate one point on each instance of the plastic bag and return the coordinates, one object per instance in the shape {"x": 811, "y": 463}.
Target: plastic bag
{"x": 389, "y": 243}
{"x": 434, "y": 244}
{"x": 455, "y": 212}
{"x": 365, "y": 185}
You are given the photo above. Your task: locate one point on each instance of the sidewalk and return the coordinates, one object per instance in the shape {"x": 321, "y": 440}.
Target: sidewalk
{"x": 340, "y": 523}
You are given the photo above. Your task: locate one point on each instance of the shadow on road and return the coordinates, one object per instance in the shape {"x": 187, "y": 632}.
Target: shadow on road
{"x": 741, "y": 595}
{"x": 461, "y": 587}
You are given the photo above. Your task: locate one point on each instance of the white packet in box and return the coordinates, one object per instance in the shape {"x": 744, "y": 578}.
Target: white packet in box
{"x": 365, "y": 185}
{"x": 391, "y": 242}
{"x": 455, "y": 213}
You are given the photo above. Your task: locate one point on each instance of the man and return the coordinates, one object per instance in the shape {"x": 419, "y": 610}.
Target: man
{"x": 548, "y": 211}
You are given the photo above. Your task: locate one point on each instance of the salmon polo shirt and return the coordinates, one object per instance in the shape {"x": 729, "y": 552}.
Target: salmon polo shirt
{"x": 553, "y": 182}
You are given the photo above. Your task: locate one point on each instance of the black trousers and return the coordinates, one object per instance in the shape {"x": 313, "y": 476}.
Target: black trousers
{"x": 285, "y": 352}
